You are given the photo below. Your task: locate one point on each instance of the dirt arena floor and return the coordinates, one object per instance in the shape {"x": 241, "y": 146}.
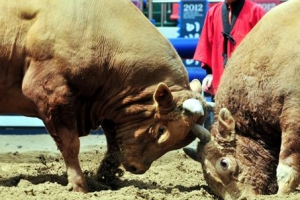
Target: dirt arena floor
{"x": 32, "y": 168}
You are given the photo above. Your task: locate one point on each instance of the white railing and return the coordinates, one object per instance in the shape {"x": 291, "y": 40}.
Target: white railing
{"x": 20, "y": 121}
{"x": 165, "y": 4}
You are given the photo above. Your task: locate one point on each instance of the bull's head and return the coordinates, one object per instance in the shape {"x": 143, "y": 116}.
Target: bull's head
{"x": 234, "y": 166}
{"x": 167, "y": 124}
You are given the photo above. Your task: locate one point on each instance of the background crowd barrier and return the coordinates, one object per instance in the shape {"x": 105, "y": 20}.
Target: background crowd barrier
{"x": 185, "y": 46}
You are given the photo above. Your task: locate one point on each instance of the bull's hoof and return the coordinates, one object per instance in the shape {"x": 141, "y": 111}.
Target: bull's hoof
{"x": 95, "y": 185}
{"x": 110, "y": 178}
{"x": 73, "y": 188}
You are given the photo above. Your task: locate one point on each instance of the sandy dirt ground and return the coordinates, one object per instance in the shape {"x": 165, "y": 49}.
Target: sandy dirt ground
{"x": 31, "y": 167}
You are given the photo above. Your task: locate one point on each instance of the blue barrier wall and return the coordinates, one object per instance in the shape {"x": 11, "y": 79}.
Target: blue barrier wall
{"x": 186, "y": 48}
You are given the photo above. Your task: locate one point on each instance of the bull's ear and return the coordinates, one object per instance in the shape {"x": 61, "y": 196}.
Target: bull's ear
{"x": 163, "y": 95}
{"x": 226, "y": 124}
{"x": 195, "y": 85}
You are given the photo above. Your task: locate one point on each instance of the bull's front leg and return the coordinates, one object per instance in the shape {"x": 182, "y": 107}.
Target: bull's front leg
{"x": 69, "y": 144}
{"x": 288, "y": 170}
{"x": 56, "y": 107}
{"x": 109, "y": 171}
{"x": 66, "y": 137}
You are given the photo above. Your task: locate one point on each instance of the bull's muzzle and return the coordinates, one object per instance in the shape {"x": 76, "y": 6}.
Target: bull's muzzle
{"x": 136, "y": 168}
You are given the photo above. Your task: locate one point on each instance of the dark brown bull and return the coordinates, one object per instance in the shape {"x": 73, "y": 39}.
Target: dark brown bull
{"x": 255, "y": 148}
{"x": 81, "y": 64}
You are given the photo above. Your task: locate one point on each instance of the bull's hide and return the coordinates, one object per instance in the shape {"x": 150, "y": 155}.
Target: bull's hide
{"x": 79, "y": 64}
{"x": 256, "y": 134}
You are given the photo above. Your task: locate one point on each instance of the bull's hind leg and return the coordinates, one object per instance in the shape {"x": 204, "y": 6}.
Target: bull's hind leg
{"x": 288, "y": 170}
{"x": 55, "y": 105}
{"x": 109, "y": 171}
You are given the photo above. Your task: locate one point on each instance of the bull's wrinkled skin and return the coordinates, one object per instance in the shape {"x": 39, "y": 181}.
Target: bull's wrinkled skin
{"x": 255, "y": 146}
{"x": 79, "y": 64}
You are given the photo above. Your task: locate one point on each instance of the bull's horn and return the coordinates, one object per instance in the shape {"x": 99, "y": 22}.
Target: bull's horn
{"x": 202, "y": 133}
{"x": 194, "y": 106}
{"x": 192, "y": 153}
{"x": 211, "y": 104}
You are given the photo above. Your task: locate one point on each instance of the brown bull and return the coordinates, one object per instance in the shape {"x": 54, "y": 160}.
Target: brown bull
{"x": 79, "y": 64}
{"x": 255, "y": 148}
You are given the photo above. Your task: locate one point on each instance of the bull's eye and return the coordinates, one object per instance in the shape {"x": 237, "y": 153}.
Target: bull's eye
{"x": 180, "y": 108}
{"x": 224, "y": 163}
{"x": 161, "y": 134}
{"x": 161, "y": 130}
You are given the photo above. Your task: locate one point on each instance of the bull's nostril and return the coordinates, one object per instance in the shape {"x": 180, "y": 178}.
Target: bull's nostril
{"x": 132, "y": 168}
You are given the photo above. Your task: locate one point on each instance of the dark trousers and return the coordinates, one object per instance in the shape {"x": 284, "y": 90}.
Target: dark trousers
{"x": 210, "y": 116}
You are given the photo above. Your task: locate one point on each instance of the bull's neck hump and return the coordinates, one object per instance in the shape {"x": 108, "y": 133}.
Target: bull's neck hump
{"x": 126, "y": 103}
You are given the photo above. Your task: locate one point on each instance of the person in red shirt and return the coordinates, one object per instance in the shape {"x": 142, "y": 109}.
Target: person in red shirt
{"x": 225, "y": 25}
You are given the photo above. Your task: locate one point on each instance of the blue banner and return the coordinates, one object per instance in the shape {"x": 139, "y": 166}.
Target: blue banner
{"x": 192, "y": 15}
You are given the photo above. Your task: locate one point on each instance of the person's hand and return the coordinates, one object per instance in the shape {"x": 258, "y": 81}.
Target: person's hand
{"x": 206, "y": 83}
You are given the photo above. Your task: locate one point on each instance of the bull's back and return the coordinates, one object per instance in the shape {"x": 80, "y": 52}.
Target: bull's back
{"x": 81, "y": 33}
{"x": 261, "y": 76}
{"x": 84, "y": 37}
